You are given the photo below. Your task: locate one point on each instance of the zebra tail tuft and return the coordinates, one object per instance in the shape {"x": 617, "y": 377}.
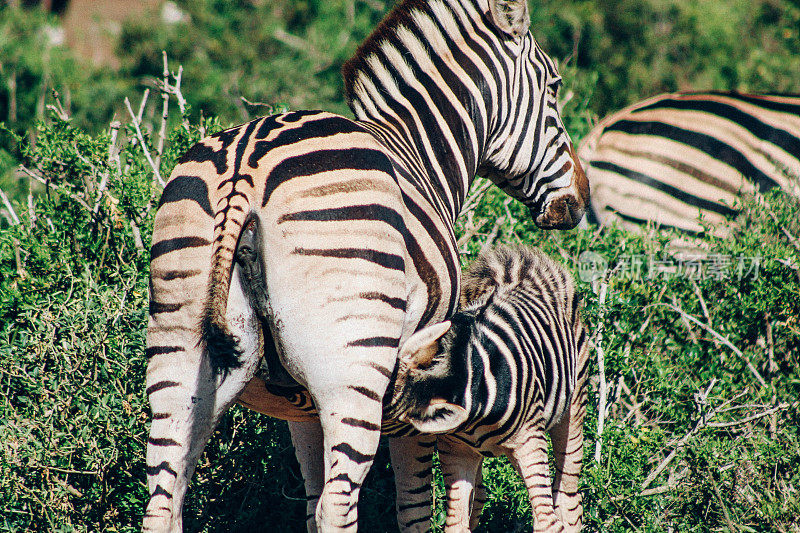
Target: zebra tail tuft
{"x": 221, "y": 344}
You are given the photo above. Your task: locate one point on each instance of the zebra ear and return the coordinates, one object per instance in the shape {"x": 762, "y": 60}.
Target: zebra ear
{"x": 420, "y": 349}
{"x": 439, "y": 416}
{"x": 511, "y": 16}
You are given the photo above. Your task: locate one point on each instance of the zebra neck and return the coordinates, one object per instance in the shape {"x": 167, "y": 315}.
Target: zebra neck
{"x": 413, "y": 85}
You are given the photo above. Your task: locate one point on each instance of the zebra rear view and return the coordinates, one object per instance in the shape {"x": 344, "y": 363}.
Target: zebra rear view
{"x": 508, "y": 367}
{"x": 328, "y": 241}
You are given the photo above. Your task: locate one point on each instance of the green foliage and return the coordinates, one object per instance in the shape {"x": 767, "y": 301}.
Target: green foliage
{"x": 639, "y": 48}
{"x": 282, "y": 51}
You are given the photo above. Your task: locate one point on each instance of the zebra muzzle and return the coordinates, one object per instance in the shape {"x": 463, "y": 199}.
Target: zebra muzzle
{"x": 565, "y": 211}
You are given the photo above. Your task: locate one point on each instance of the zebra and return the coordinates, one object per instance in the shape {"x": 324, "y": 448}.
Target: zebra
{"x": 684, "y": 161}
{"x": 491, "y": 380}
{"x": 321, "y": 243}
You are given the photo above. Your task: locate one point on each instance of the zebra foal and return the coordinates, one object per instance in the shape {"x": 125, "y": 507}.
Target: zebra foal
{"x": 508, "y": 367}
{"x": 674, "y": 158}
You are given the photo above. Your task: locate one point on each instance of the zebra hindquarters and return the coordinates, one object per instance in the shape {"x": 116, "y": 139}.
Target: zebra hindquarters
{"x": 335, "y": 267}
{"x": 461, "y": 466}
{"x": 186, "y": 397}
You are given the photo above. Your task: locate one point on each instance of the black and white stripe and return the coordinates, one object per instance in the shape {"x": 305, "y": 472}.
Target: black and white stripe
{"x": 306, "y": 246}
{"x": 674, "y": 158}
{"x": 508, "y": 367}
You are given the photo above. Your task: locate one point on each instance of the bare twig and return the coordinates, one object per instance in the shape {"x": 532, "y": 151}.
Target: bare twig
{"x": 719, "y": 337}
{"x": 702, "y": 301}
{"x": 58, "y": 109}
{"x": 113, "y": 154}
{"x": 31, "y": 210}
{"x": 12, "y": 215}
{"x": 601, "y": 368}
{"x": 112, "y": 157}
{"x": 40, "y": 179}
{"x": 476, "y": 196}
{"x": 137, "y": 236}
{"x": 686, "y": 322}
{"x": 671, "y": 484}
{"x": 65, "y": 470}
{"x": 162, "y": 132}
{"x": 142, "y": 105}
{"x": 156, "y": 173}
{"x": 493, "y": 234}
{"x": 772, "y": 411}
{"x": 469, "y": 233}
{"x": 271, "y": 108}
{"x": 176, "y": 90}
{"x": 18, "y": 259}
{"x": 701, "y": 423}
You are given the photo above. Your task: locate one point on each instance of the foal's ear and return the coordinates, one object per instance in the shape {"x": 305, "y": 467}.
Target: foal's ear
{"x": 420, "y": 349}
{"x": 439, "y": 416}
{"x": 511, "y": 16}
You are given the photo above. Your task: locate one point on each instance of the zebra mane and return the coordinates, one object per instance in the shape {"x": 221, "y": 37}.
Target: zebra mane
{"x": 398, "y": 17}
{"x": 502, "y": 270}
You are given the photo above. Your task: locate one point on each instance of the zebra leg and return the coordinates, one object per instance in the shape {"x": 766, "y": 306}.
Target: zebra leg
{"x": 530, "y": 459}
{"x": 412, "y": 459}
{"x": 460, "y": 467}
{"x": 308, "y": 442}
{"x": 479, "y": 501}
{"x": 187, "y": 400}
{"x": 351, "y": 437}
{"x": 567, "y": 439}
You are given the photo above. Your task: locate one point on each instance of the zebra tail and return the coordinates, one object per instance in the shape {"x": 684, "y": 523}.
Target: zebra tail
{"x": 221, "y": 344}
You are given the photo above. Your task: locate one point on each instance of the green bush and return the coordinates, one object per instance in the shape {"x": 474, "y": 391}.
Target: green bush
{"x": 73, "y": 419}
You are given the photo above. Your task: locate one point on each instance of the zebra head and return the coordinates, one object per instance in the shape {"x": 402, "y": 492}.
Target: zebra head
{"x": 529, "y": 153}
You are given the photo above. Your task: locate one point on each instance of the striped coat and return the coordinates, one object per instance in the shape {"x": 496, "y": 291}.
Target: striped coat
{"x": 318, "y": 244}
{"x": 676, "y": 157}
{"x": 508, "y": 367}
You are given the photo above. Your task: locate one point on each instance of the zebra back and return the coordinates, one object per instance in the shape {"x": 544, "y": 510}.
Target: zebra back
{"x": 676, "y": 157}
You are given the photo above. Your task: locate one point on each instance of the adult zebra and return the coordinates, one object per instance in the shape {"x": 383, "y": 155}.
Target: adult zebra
{"x": 345, "y": 230}
{"x": 509, "y": 366}
{"x": 675, "y": 157}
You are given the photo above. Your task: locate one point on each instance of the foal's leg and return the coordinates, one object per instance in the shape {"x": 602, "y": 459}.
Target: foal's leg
{"x": 460, "y": 468}
{"x": 530, "y": 458}
{"x": 412, "y": 458}
{"x": 308, "y": 441}
{"x": 567, "y": 438}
